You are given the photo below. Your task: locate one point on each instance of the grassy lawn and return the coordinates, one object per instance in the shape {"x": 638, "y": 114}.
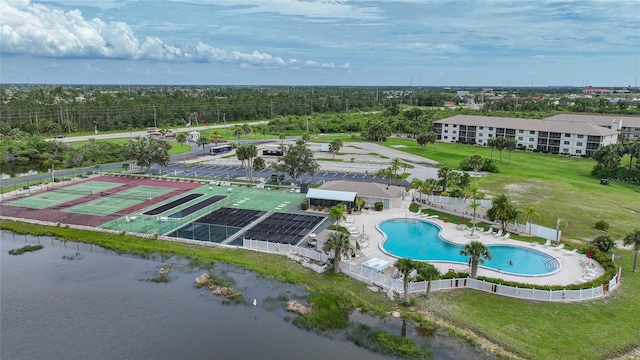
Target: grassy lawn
{"x": 175, "y": 147}
{"x": 559, "y": 187}
{"x": 597, "y": 329}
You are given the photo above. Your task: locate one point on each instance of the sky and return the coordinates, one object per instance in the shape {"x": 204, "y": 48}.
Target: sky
{"x": 517, "y": 43}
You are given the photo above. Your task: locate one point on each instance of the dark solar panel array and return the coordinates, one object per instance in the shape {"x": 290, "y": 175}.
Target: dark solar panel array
{"x": 162, "y": 208}
{"x": 284, "y": 228}
{"x": 231, "y": 217}
{"x": 197, "y": 206}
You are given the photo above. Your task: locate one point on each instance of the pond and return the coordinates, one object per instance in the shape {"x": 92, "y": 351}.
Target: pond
{"x": 78, "y": 301}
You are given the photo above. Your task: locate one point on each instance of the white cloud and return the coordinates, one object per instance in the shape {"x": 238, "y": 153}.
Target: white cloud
{"x": 35, "y": 29}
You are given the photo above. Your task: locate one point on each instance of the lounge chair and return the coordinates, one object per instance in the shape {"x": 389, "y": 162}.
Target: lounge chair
{"x": 506, "y": 236}
{"x": 571, "y": 252}
{"x": 499, "y": 233}
{"x": 432, "y": 217}
{"x": 350, "y": 221}
{"x": 488, "y": 231}
{"x": 547, "y": 243}
{"x": 559, "y": 247}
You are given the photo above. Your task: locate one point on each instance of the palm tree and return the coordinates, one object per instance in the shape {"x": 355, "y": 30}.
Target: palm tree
{"x": 529, "y": 213}
{"x": 478, "y": 253}
{"x": 416, "y": 184}
{"x": 502, "y": 210}
{"x": 406, "y": 266}
{"x": 476, "y": 163}
{"x": 282, "y": 137}
{"x": 431, "y": 138}
{"x": 246, "y": 130}
{"x": 335, "y": 146}
{"x": 491, "y": 143}
{"x": 182, "y": 138}
{"x": 202, "y": 141}
{"x": 306, "y": 137}
{"x": 428, "y": 186}
{"x": 337, "y": 213}
{"x": 633, "y": 238}
{"x": 474, "y": 205}
{"x": 444, "y": 173}
{"x": 511, "y": 145}
{"x": 237, "y": 132}
{"x": 500, "y": 143}
{"x": 339, "y": 243}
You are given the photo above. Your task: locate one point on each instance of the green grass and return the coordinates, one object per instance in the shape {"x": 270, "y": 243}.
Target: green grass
{"x": 175, "y": 147}
{"x": 24, "y": 249}
{"x": 559, "y": 187}
{"x": 329, "y": 159}
{"x": 597, "y": 329}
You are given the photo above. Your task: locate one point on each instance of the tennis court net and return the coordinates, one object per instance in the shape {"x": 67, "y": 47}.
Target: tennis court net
{"x": 134, "y": 196}
{"x": 72, "y": 191}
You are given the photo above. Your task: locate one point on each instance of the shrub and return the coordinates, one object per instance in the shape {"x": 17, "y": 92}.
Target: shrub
{"x": 604, "y": 243}
{"x": 304, "y": 206}
{"x": 378, "y": 206}
{"x": 490, "y": 166}
{"x": 414, "y": 207}
{"x": 602, "y": 225}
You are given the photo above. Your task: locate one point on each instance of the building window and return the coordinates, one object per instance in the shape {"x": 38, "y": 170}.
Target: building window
{"x": 490, "y": 128}
{"x": 567, "y": 135}
{"x": 446, "y": 131}
{"x": 532, "y": 132}
{"x": 578, "y": 151}
{"x": 565, "y": 150}
{"x": 454, "y": 125}
{"x": 520, "y": 131}
{"x": 446, "y": 137}
{"x": 530, "y": 146}
{"x": 580, "y": 136}
{"x": 520, "y": 138}
{"x": 454, "y": 131}
{"x": 482, "y": 128}
{"x": 566, "y": 142}
{"x": 453, "y": 138}
{"x": 446, "y": 125}
{"x": 531, "y": 139}
{"x": 578, "y": 144}
{"x": 479, "y": 134}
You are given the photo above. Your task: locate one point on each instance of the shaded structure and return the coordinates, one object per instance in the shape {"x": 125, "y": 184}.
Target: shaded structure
{"x": 284, "y": 228}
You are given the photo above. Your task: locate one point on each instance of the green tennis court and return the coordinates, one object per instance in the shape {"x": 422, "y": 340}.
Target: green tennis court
{"x": 62, "y": 195}
{"x": 112, "y": 202}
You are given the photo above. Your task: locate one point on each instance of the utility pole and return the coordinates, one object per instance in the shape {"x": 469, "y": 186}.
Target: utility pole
{"x": 224, "y": 118}
{"x": 155, "y": 117}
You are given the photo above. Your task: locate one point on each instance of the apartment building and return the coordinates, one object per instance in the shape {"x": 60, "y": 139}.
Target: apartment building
{"x": 628, "y": 126}
{"x": 575, "y": 138}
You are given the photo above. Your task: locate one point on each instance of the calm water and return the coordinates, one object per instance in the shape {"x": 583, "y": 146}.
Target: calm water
{"x": 420, "y": 240}
{"x": 93, "y": 306}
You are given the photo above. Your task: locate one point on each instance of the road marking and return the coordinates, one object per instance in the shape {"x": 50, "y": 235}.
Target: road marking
{"x": 345, "y": 175}
{"x": 334, "y": 175}
{"x": 354, "y": 175}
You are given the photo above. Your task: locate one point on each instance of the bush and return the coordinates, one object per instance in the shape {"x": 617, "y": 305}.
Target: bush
{"x": 602, "y": 225}
{"x": 490, "y": 166}
{"x": 378, "y": 206}
{"x": 304, "y": 206}
{"x": 604, "y": 243}
{"x": 414, "y": 207}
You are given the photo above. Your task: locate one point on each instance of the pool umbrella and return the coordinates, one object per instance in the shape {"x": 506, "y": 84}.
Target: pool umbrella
{"x": 590, "y": 253}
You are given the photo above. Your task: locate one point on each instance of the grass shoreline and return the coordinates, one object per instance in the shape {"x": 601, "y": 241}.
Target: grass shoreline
{"x": 527, "y": 329}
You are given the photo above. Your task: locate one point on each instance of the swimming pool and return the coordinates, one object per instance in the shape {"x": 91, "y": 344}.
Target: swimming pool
{"x": 421, "y": 240}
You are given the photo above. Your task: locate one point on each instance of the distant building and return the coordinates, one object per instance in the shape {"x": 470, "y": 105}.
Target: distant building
{"x": 592, "y": 91}
{"x": 389, "y": 195}
{"x": 576, "y": 138}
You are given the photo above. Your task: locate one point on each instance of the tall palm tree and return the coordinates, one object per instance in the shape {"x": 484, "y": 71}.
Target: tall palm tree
{"x": 431, "y": 138}
{"x": 337, "y": 213}
{"x": 416, "y": 184}
{"x": 428, "y": 186}
{"x": 478, "y": 253}
{"x": 406, "y": 266}
{"x": 246, "y": 130}
{"x": 181, "y": 138}
{"x": 474, "y": 205}
{"x": 339, "y": 243}
{"x": 500, "y": 143}
{"x": 282, "y": 137}
{"x": 633, "y": 238}
{"x": 502, "y": 210}
{"x": 529, "y": 213}
{"x": 306, "y": 137}
{"x": 511, "y": 145}
{"x": 475, "y": 162}
{"x": 335, "y": 146}
{"x": 237, "y": 132}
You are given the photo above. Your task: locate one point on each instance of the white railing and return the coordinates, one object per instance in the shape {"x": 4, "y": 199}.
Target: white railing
{"x": 387, "y": 283}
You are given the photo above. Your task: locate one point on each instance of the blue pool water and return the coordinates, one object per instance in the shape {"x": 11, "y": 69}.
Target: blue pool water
{"x": 420, "y": 240}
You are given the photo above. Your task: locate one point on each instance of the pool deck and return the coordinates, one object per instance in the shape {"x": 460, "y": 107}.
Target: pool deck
{"x": 573, "y": 265}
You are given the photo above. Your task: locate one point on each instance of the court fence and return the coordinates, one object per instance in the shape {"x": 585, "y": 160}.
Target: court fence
{"x": 392, "y": 285}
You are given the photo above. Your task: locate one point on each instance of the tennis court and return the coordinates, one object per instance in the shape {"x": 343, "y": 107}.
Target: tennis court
{"x": 218, "y": 225}
{"x": 284, "y": 228}
{"x": 111, "y": 202}
{"x": 58, "y": 196}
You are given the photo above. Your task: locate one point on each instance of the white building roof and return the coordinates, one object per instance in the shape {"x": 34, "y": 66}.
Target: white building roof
{"x": 602, "y": 120}
{"x": 331, "y": 195}
{"x": 568, "y": 127}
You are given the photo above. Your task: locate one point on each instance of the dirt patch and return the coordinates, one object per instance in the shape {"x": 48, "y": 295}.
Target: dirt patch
{"x": 536, "y": 190}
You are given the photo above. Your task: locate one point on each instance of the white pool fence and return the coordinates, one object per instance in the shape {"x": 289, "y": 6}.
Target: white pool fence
{"x": 390, "y": 284}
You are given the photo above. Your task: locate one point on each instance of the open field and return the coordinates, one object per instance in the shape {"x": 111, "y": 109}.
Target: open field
{"x": 559, "y": 187}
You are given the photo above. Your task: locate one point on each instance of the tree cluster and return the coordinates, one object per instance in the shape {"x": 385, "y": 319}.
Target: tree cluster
{"x": 609, "y": 159}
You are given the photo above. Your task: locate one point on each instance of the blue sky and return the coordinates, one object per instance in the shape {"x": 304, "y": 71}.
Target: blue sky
{"x": 321, "y": 42}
